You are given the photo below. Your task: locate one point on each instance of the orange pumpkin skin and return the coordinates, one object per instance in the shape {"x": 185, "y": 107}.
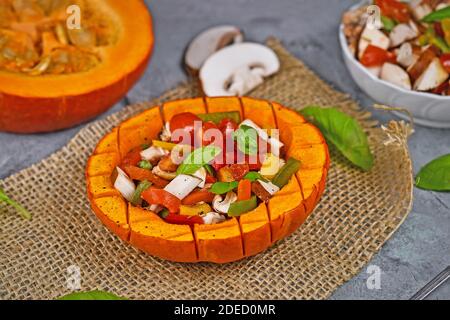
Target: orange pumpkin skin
{"x": 236, "y": 238}
{"x": 48, "y": 103}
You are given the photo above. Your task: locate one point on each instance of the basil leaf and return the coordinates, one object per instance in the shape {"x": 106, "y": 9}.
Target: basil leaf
{"x": 247, "y": 139}
{"x": 253, "y": 176}
{"x": 435, "y": 175}
{"x": 437, "y": 15}
{"x": 209, "y": 169}
{"x": 344, "y": 133}
{"x": 21, "y": 210}
{"x": 197, "y": 159}
{"x": 223, "y": 187}
{"x": 91, "y": 295}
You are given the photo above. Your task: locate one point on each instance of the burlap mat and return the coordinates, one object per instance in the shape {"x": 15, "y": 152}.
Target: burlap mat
{"x": 357, "y": 214}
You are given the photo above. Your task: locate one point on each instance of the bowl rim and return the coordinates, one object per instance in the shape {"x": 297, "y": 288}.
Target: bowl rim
{"x": 351, "y": 57}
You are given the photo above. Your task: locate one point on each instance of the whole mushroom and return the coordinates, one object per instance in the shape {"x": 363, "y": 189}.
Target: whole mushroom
{"x": 237, "y": 69}
{"x": 208, "y": 42}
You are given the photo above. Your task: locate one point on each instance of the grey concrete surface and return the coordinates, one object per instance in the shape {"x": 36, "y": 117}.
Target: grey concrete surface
{"x": 418, "y": 251}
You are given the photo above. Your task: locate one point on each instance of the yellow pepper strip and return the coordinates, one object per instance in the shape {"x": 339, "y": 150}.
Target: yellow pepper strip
{"x": 195, "y": 210}
{"x": 164, "y": 145}
{"x": 446, "y": 27}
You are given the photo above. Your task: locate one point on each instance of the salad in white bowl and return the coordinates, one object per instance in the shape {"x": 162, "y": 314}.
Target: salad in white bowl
{"x": 399, "y": 53}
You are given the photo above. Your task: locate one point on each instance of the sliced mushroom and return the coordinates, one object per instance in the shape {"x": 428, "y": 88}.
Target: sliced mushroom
{"x": 434, "y": 76}
{"x": 182, "y": 185}
{"x": 402, "y": 33}
{"x": 275, "y": 143}
{"x": 269, "y": 187}
{"x": 213, "y": 218}
{"x": 237, "y": 69}
{"x": 222, "y": 206}
{"x": 208, "y": 42}
{"x": 407, "y": 55}
{"x": 164, "y": 174}
{"x": 374, "y": 70}
{"x": 153, "y": 153}
{"x": 201, "y": 174}
{"x": 124, "y": 184}
{"x": 165, "y": 133}
{"x": 396, "y": 75}
{"x": 374, "y": 37}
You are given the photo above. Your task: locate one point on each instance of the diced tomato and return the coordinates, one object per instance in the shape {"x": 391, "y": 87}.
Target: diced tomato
{"x": 244, "y": 190}
{"x": 394, "y": 9}
{"x": 208, "y": 139}
{"x": 375, "y": 56}
{"x": 140, "y": 174}
{"x": 162, "y": 197}
{"x": 445, "y": 60}
{"x": 239, "y": 171}
{"x": 210, "y": 179}
{"x": 227, "y": 124}
{"x": 197, "y": 196}
{"x": 443, "y": 88}
{"x": 183, "y": 121}
{"x": 132, "y": 158}
{"x": 183, "y": 220}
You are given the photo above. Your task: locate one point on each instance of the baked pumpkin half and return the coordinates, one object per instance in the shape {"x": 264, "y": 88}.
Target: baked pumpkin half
{"x": 63, "y": 62}
{"x": 208, "y": 179}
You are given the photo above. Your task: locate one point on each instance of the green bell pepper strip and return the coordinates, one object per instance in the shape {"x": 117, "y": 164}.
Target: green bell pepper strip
{"x": 217, "y": 117}
{"x": 145, "y": 164}
{"x": 437, "y": 15}
{"x": 240, "y": 207}
{"x": 142, "y": 186}
{"x": 388, "y": 23}
{"x": 286, "y": 172}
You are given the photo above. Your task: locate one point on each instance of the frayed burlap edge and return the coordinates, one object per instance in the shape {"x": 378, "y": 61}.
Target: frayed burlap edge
{"x": 357, "y": 214}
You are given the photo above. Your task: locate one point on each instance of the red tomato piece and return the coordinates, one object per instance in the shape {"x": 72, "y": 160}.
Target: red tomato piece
{"x": 239, "y": 171}
{"x": 132, "y": 158}
{"x": 394, "y": 9}
{"x": 183, "y": 121}
{"x": 244, "y": 190}
{"x": 162, "y": 197}
{"x": 183, "y": 220}
{"x": 375, "y": 56}
{"x": 445, "y": 60}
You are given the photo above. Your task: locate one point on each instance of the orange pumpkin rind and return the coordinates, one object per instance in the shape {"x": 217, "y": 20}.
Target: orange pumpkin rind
{"x": 233, "y": 239}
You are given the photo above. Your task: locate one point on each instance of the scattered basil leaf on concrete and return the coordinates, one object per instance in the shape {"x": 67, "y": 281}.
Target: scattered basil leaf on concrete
{"x": 91, "y": 295}
{"x": 21, "y": 210}
{"x": 247, "y": 139}
{"x": 344, "y": 133}
{"x": 435, "y": 175}
{"x": 197, "y": 159}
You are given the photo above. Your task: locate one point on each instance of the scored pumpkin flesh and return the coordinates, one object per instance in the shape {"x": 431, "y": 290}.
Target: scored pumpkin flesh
{"x": 35, "y": 38}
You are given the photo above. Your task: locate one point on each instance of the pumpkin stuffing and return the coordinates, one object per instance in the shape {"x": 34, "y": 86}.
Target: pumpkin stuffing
{"x": 208, "y": 179}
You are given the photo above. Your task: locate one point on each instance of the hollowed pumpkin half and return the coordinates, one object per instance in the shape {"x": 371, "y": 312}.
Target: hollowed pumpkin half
{"x": 234, "y": 239}
{"x": 55, "y": 100}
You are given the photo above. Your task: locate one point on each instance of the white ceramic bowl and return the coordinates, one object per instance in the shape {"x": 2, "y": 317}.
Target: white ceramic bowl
{"x": 428, "y": 109}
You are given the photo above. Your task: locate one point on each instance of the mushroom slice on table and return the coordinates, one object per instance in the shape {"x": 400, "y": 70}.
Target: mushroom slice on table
{"x": 237, "y": 69}
{"x": 396, "y": 75}
{"x": 208, "y": 42}
{"x": 433, "y": 77}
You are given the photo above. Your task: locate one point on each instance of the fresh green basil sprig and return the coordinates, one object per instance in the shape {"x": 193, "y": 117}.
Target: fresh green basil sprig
{"x": 435, "y": 175}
